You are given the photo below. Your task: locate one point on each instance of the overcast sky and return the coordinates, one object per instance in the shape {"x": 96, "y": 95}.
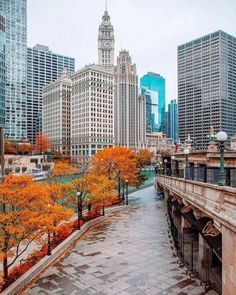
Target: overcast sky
{"x": 150, "y": 29}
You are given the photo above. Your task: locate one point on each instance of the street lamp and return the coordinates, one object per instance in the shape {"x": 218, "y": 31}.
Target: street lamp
{"x": 127, "y": 196}
{"x": 165, "y": 162}
{"x": 221, "y": 137}
{"x": 78, "y": 208}
{"x": 49, "y": 234}
{"x": 186, "y": 152}
{"x": 172, "y": 166}
{"x": 160, "y": 167}
{"x": 123, "y": 190}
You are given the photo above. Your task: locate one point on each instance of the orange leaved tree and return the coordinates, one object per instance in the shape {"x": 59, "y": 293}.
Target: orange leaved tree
{"x": 144, "y": 157}
{"x": 21, "y": 204}
{"x": 64, "y": 168}
{"x": 101, "y": 191}
{"x": 42, "y": 143}
{"x": 10, "y": 148}
{"x": 118, "y": 164}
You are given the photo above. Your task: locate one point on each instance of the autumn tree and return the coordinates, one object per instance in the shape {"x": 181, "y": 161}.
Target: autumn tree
{"x": 95, "y": 190}
{"x": 101, "y": 191}
{"x": 21, "y": 201}
{"x": 57, "y": 203}
{"x": 42, "y": 143}
{"x": 63, "y": 168}
{"x": 24, "y": 148}
{"x": 118, "y": 164}
{"x": 10, "y": 148}
{"x": 144, "y": 157}
{"x": 27, "y": 212}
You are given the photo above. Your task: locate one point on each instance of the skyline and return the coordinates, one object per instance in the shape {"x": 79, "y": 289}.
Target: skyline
{"x": 172, "y": 27}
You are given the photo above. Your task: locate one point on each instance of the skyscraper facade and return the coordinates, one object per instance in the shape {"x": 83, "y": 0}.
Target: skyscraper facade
{"x": 2, "y": 70}
{"x": 91, "y": 112}
{"x": 206, "y": 87}
{"x": 56, "y": 113}
{"x": 153, "y": 87}
{"x": 16, "y": 60}
{"x": 43, "y": 67}
{"x": 106, "y": 41}
{"x": 126, "y": 103}
{"x": 172, "y": 120}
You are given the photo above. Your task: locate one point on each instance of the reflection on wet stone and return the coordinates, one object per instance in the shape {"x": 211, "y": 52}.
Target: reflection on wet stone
{"x": 130, "y": 253}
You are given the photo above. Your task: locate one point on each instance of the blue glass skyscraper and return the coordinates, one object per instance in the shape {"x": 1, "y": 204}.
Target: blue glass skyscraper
{"x": 172, "y": 120}
{"x": 153, "y": 87}
{"x": 15, "y": 12}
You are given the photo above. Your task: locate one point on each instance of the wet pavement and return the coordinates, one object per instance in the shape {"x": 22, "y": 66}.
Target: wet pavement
{"x": 127, "y": 254}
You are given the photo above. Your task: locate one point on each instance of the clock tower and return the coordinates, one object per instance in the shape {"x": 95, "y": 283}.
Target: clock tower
{"x": 106, "y": 41}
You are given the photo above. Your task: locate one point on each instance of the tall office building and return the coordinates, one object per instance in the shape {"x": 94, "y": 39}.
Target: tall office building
{"x": 172, "y": 120}
{"x": 56, "y": 113}
{"x": 15, "y": 12}
{"x": 106, "y": 41}
{"x": 153, "y": 87}
{"x": 43, "y": 67}
{"x": 2, "y": 70}
{"x": 91, "y": 112}
{"x": 126, "y": 103}
{"x": 206, "y": 87}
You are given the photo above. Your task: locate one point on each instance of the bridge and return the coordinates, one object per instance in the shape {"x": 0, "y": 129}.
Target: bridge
{"x": 203, "y": 213}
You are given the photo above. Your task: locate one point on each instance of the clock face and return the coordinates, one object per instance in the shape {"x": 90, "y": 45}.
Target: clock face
{"x": 106, "y": 43}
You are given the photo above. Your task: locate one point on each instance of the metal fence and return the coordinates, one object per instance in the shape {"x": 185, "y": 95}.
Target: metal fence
{"x": 203, "y": 174}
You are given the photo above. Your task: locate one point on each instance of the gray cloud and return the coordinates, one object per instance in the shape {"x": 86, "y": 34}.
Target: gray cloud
{"x": 151, "y": 30}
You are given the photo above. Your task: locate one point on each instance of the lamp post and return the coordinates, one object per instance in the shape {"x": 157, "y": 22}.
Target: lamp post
{"x": 78, "y": 208}
{"x": 172, "y": 166}
{"x": 123, "y": 190}
{"x": 221, "y": 137}
{"x": 49, "y": 234}
{"x": 160, "y": 167}
{"x": 165, "y": 162}
{"x": 186, "y": 152}
{"x": 127, "y": 196}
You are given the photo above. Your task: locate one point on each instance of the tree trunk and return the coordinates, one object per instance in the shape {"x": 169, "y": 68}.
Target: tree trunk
{"x": 119, "y": 187}
{"x": 5, "y": 269}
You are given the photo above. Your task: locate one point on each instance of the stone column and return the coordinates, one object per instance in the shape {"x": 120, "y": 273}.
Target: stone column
{"x": 228, "y": 261}
{"x": 185, "y": 227}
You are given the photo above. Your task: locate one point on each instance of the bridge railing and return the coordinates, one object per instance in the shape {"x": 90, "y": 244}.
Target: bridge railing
{"x": 203, "y": 174}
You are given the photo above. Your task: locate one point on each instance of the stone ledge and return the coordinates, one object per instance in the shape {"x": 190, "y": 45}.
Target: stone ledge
{"x": 47, "y": 260}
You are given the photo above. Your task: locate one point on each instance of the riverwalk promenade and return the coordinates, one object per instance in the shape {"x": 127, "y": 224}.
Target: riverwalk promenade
{"x": 130, "y": 253}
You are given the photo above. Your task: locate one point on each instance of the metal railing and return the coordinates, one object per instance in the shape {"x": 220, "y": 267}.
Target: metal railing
{"x": 203, "y": 174}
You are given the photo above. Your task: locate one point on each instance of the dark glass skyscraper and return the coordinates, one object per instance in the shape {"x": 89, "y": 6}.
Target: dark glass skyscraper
{"x": 43, "y": 67}
{"x": 2, "y": 71}
{"x": 153, "y": 87}
{"x": 15, "y": 12}
{"x": 207, "y": 87}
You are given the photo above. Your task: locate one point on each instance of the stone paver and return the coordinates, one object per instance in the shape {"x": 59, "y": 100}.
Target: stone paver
{"x": 128, "y": 254}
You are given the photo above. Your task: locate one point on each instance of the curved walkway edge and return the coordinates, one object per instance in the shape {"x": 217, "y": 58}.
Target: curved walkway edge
{"x": 47, "y": 260}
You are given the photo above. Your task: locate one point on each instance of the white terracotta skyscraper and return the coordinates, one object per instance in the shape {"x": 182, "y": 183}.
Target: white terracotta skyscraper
{"x": 106, "y": 41}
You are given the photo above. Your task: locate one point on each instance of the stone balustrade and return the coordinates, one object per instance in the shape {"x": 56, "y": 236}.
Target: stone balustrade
{"x": 219, "y": 203}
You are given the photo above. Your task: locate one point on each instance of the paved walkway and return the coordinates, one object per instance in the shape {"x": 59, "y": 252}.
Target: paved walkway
{"x": 128, "y": 254}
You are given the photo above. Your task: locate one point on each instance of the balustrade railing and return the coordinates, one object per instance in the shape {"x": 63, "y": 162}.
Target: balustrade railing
{"x": 203, "y": 174}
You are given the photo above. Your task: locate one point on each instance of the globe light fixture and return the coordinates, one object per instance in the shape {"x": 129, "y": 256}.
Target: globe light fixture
{"x": 172, "y": 166}
{"x": 221, "y": 137}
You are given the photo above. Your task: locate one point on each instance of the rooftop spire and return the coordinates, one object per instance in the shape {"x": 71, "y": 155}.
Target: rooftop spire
{"x": 105, "y": 5}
